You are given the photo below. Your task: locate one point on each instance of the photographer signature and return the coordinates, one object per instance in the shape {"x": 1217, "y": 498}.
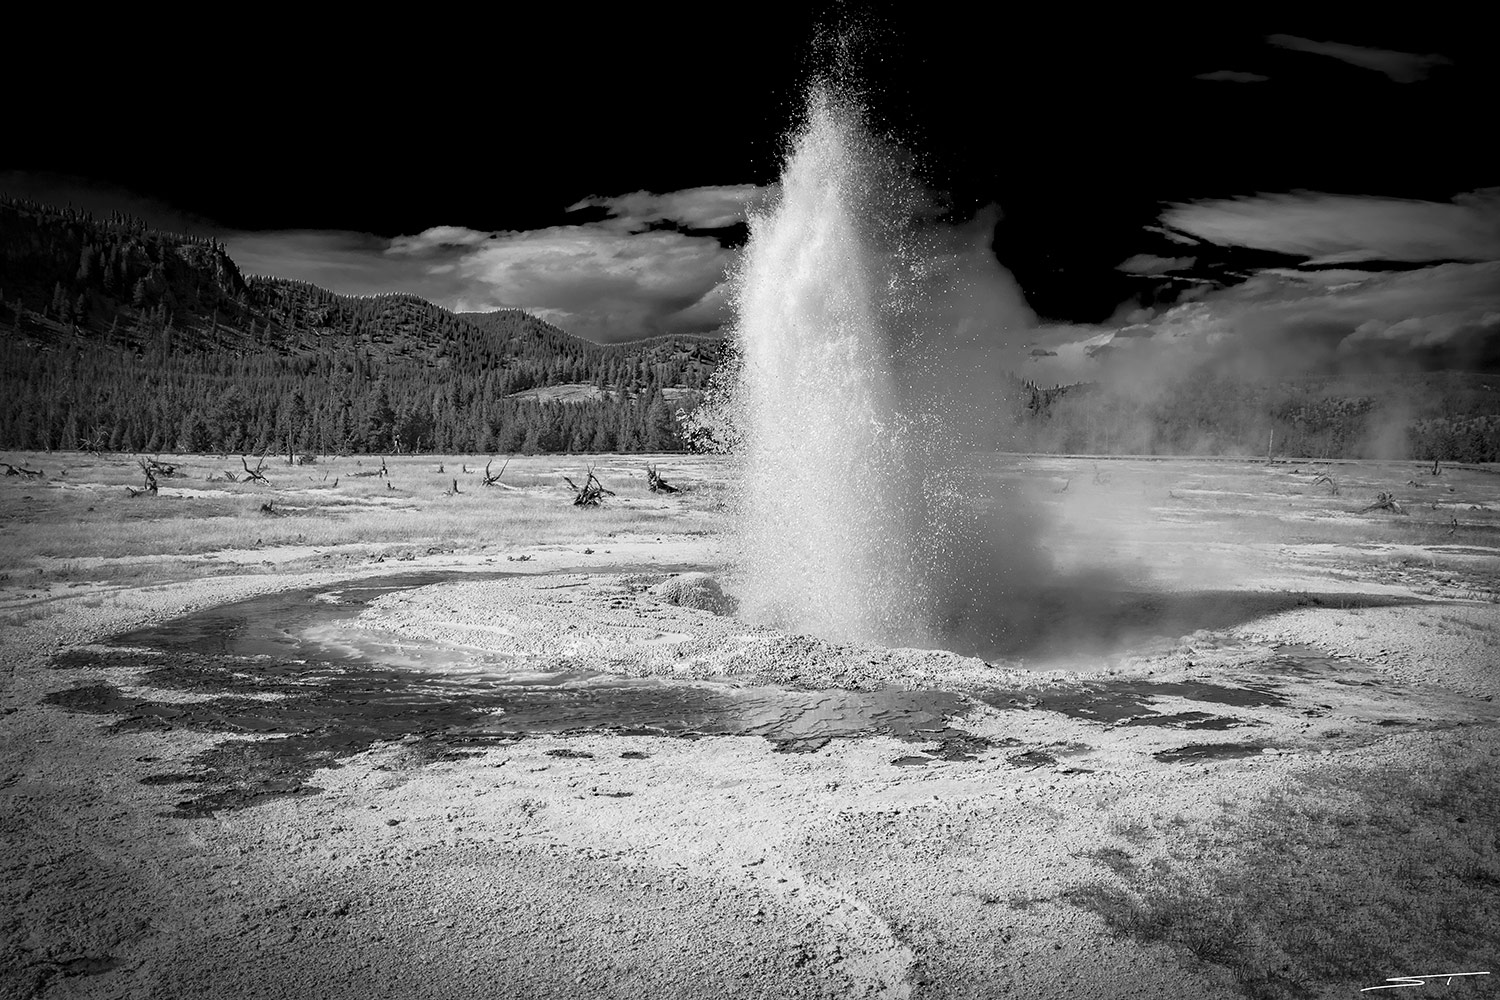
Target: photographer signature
{"x": 1398, "y": 982}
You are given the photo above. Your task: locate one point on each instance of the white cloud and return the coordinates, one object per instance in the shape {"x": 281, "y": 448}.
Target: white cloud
{"x": 1402, "y": 67}
{"x": 438, "y": 237}
{"x": 715, "y": 207}
{"x": 601, "y": 283}
{"x": 1345, "y": 228}
{"x": 606, "y": 281}
{"x": 1286, "y": 322}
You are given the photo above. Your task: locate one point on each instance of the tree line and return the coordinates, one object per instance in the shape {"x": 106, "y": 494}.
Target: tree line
{"x": 121, "y": 337}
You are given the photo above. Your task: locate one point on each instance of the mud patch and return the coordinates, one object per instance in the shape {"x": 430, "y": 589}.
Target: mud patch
{"x": 294, "y": 715}
{"x": 1199, "y": 752}
{"x": 1132, "y": 702}
{"x": 1190, "y": 720}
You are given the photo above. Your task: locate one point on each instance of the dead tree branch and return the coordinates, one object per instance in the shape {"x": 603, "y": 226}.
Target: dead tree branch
{"x": 255, "y": 475}
{"x": 150, "y": 484}
{"x": 655, "y": 483}
{"x": 490, "y": 480}
{"x": 591, "y": 493}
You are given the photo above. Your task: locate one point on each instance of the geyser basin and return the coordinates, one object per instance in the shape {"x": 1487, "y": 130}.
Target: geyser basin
{"x": 294, "y": 665}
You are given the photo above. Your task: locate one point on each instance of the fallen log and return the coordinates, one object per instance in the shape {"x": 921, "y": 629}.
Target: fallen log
{"x": 20, "y": 470}
{"x": 1384, "y": 501}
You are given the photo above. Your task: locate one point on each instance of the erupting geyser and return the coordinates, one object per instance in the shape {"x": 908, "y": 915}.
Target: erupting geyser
{"x": 852, "y": 525}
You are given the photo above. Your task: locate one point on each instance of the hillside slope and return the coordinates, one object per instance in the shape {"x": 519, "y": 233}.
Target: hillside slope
{"x": 117, "y": 336}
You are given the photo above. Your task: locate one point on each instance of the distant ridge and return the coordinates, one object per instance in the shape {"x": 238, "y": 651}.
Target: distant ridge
{"x": 118, "y": 335}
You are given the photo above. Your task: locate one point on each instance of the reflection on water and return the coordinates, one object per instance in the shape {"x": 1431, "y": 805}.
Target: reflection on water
{"x": 353, "y": 679}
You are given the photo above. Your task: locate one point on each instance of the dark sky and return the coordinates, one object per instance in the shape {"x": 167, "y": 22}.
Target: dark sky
{"x": 1083, "y": 129}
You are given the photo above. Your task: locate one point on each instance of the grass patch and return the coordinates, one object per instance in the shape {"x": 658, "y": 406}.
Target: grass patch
{"x": 1335, "y": 881}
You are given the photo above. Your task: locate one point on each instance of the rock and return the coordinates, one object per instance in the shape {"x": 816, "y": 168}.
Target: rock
{"x": 696, "y": 590}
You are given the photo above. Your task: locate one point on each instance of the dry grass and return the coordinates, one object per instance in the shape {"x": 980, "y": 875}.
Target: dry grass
{"x": 1334, "y": 882}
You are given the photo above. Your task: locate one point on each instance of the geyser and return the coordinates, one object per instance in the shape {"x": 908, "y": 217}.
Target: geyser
{"x": 860, "y": 353}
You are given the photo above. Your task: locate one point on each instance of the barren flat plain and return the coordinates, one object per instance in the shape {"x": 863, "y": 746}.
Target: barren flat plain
{"x": 374, "y": 729}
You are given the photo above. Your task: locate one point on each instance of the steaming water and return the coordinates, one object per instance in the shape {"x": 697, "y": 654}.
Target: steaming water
{"x": 849, "y": 530}
{"x": 826, "y": 541}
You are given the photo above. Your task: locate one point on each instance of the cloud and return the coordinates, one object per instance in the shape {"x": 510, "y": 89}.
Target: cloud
{"x": 613, "y": 280}
{"x": 1146, "y": 263}
{"x": 1344, "y": 228}
{"x": 1402, "y": 67}
{"x": 599, "y": 283}
{"x": 1174, "y": 236}
{"x": 437, "y": 238}
{"x": 620, "y": 278}
{"x": 692, "y": 208}
{"x": 344, "y": 262}
{"x": 1284, "y": 322}
{"x": 1232, "y": 76}
{"x": 594, "y": 281}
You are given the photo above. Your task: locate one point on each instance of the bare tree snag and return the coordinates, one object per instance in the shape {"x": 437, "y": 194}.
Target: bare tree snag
{"x": 490, "y": 480}
{"x": 591, "y": 493}
{"x": 655, "y": 483}
{"x": 255, "y": 475}
{"x": 1323, "y": 477}
{"x": 150, "y": 484}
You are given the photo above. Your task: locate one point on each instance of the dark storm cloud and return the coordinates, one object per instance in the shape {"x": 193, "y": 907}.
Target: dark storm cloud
{"x": 1402, "y": 67}
{"x": 1146, "y": 263}
{"x": 1232, "y": 76}
{"x": 1333, "y": 229}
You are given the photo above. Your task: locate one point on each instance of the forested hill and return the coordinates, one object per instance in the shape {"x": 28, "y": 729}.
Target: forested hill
{"x": 118, "y": 336}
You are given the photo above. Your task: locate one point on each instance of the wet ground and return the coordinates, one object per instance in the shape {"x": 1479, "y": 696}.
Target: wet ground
{"x": 302, "y": 691}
